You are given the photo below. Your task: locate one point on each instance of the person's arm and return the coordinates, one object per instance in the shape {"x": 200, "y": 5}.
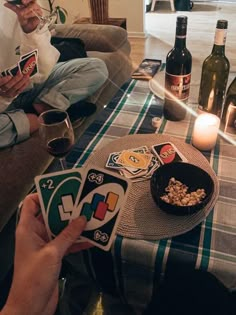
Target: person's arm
{"x": 38, "y": 261}
{"x": 15, "y": 127}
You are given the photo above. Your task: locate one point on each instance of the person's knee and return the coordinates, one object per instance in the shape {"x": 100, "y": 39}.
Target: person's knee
{"x": 101, "y": 69}
{"x": 92, "y": 70}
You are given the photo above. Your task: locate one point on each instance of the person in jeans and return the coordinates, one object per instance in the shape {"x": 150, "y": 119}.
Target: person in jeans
{"x": 56, "y": 85}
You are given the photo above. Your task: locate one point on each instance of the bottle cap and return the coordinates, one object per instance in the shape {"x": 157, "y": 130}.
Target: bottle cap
{"x": 156, "y": 122}
{"x": 222, "y": 24}
{"x": 182, "y": 19}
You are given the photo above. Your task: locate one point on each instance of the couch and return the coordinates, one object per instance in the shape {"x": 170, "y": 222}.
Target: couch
{"x": 21, "y": 163}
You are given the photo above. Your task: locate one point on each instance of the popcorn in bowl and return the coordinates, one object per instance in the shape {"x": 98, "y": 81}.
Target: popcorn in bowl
{"x": 177, "y": 194}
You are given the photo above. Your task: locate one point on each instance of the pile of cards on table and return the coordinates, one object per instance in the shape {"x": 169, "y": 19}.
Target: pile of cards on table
{"x": 138, "y": 164}
{"x": 96, "y": 193}
{"x": 27, "y": 65}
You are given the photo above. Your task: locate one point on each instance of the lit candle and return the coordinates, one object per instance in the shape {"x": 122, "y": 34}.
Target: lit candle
{"x": 205, "y": 131}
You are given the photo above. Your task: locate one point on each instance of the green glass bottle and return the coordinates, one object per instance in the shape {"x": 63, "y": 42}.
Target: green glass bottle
{"x": 215, "y": 72}
{"x": 229, "y": 112}
{"x": 178, "y": 74}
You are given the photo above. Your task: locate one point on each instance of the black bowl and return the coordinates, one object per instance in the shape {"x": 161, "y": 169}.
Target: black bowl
{"x": 192, "y": 176}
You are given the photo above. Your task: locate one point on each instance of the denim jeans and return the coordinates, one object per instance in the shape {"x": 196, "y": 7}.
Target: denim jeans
{"x": 68, "y": 83}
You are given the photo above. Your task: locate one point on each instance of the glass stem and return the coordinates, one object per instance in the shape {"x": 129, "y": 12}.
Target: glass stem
{"x": 63, "y": 163}
{"x": 38, "y": 16}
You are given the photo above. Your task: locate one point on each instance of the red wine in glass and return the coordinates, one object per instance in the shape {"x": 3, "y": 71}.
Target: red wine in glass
{"x": 56, "y": 133}
{"x": 59, "y": 147}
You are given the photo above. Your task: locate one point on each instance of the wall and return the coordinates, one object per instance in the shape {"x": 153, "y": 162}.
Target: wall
{"x": 132, "y": 10}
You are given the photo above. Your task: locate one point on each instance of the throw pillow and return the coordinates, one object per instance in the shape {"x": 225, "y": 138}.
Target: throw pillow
{"x": 69, "y": 48}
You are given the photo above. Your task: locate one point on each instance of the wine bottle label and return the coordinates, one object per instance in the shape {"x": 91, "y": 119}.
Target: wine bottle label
{"x": 220, "y": 37}
{"x": 178, "y": 86}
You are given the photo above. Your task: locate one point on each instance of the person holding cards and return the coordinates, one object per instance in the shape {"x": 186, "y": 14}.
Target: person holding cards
{"x": 31, "y": 78}
{"x": 38, "y": 262}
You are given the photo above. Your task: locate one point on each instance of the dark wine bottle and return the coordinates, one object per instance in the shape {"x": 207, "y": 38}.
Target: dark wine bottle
{"x": 178, "y": 74}
{"x": 229, "y": 112}
{"x": 215, "y": 72}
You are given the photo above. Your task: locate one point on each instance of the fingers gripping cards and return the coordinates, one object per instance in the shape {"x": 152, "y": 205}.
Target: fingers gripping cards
{"x": 27, "y": 65}
{"x": 96, "y": 193}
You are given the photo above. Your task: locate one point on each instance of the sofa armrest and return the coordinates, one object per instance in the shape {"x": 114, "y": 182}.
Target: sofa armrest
{"x": 97, "y": 37}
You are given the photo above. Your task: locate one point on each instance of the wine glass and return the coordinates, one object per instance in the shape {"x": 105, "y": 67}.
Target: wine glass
{"x": 46, "y": 20}
{"x": 56, "y": 133}
{"x": 43, "y": 20}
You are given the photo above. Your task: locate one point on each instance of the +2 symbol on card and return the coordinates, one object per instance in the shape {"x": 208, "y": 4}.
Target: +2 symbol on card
{"x": 48, "y": 184}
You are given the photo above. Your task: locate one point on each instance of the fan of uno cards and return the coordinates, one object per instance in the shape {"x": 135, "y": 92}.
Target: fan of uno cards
{"x": 93, "y": 192}
{"x": 28, "y": 65}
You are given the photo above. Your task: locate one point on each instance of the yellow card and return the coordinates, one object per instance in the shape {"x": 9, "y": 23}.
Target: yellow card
{"x": 134, "y": 159}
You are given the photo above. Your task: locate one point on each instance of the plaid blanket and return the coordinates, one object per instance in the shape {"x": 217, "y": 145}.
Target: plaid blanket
{"x": 134, "y": 268}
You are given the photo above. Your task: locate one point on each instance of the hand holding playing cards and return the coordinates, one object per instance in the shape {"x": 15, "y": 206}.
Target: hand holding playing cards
{"x": 13, "y": 86}
{"x": 38, "y": 262}
{"x": 27, "y": 14}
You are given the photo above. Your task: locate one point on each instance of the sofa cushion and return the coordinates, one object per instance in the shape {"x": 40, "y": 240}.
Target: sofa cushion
{"x": 18, "y": 167}
{"x": 103, "y": 38}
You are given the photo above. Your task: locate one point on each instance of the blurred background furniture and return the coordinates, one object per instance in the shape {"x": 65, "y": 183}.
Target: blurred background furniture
{"x": 121, "y": 22}
{"x": 171, "y": 5}
{"x": 183, "y": 5}
{"x": 99, "y": 11}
